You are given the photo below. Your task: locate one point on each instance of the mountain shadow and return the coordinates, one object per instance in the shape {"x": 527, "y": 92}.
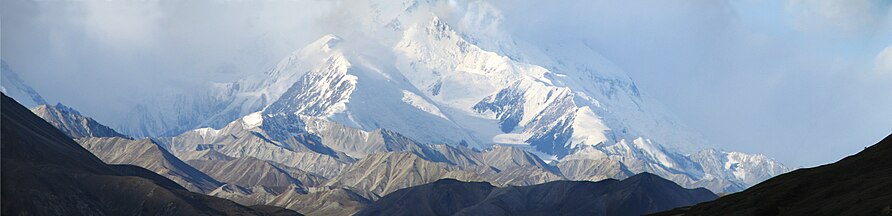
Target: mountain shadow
{"x": 860, "y": 184}
{"x": 47, "y": 173}
{"x": 636, "y": 195}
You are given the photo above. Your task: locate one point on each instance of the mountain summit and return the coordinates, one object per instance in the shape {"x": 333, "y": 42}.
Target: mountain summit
{"x": 457, "y": 78}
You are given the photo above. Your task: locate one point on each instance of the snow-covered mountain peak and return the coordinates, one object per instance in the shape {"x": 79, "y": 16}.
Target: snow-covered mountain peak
{"x": 452, "y": 76}
{"x": 327, "y": 42}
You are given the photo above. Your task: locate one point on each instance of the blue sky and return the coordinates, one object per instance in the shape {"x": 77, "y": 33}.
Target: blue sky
{"x": 806, "y": 82}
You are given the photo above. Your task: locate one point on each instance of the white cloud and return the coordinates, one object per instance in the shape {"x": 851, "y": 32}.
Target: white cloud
{"x": 883, "y": 62}
{"x": 839, "y": 15}
{"x": 123, "y": 24}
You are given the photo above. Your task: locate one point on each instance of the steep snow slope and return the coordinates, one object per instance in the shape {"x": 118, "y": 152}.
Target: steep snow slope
{"x": 362, "y": 91}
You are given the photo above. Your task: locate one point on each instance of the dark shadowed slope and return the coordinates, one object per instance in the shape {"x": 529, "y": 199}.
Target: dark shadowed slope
{"x": 860, "y": 184}
{"x": 639, "y": 194}
{"x": 47, "y": 173}
{"x": 114, "y": 148}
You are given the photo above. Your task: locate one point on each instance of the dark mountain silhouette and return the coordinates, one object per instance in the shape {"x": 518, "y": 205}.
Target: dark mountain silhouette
{"x": 47, "y": 173}
{"x": 642, "y": 193}
{"x": 860, "y": 184}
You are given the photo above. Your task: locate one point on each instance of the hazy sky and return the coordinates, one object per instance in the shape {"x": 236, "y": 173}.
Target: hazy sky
{"x": 806, "y": 82}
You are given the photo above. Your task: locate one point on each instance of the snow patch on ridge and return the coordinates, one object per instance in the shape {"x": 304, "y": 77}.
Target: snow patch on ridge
{"x": 252, "y": 120}
{"x": 207, "y": 132}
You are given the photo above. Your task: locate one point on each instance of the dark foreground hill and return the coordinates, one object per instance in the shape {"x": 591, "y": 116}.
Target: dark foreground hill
{"x": 44, "y": 172}
{"x": 636, "y": 195}
{"x": 860, "y": 184}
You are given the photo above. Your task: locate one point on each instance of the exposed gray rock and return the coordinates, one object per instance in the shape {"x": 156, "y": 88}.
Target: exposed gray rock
{"x": 593, "y": 170}
{"x": 147, "y": 154}
{"x": 252, "y": 172}
{"x": 382, "y": 173}
{"x": 72, "y": 123}
{"x": 247, "y": 137}
{"x": 505, "y": 157}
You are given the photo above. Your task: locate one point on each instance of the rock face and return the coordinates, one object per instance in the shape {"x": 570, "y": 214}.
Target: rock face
{"x": 593, "y": 169}
{"x": 387, "y": 172}
{"x": 47, "y": 173}
{"x": 71, "y": 122}
{"x": 115, "y": 148}
{"x": 147, "y": 154}
{"x": 276, "y": 139}
{"x": 642, "y": 193}
{"x": 860, "y": 184}
{"x": 506, "y": 157}
{"x": 253, "y": 172}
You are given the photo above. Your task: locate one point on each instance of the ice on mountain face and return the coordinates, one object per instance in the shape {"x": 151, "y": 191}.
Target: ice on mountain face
{"x": 654, "y": 153}
{"x": 588, "y": 129}
{"x": 321, "y": 92}
{"x": 422, "y": 104}
{"x": 345, "y": 85}
{"x": 432, "y": 56}
{"x": 574, "y": 107}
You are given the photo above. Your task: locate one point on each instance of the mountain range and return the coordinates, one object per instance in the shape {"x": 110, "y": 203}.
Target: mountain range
{"x": 859, "y": 184}
{"x": 443, "y": 92}
{"x": 46, "y": 173}
{"x": 455, "y": 79}
{"x": 411, "y": 97}
{"x": 856, "y": 185}
{"x": 35, "y": 152}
